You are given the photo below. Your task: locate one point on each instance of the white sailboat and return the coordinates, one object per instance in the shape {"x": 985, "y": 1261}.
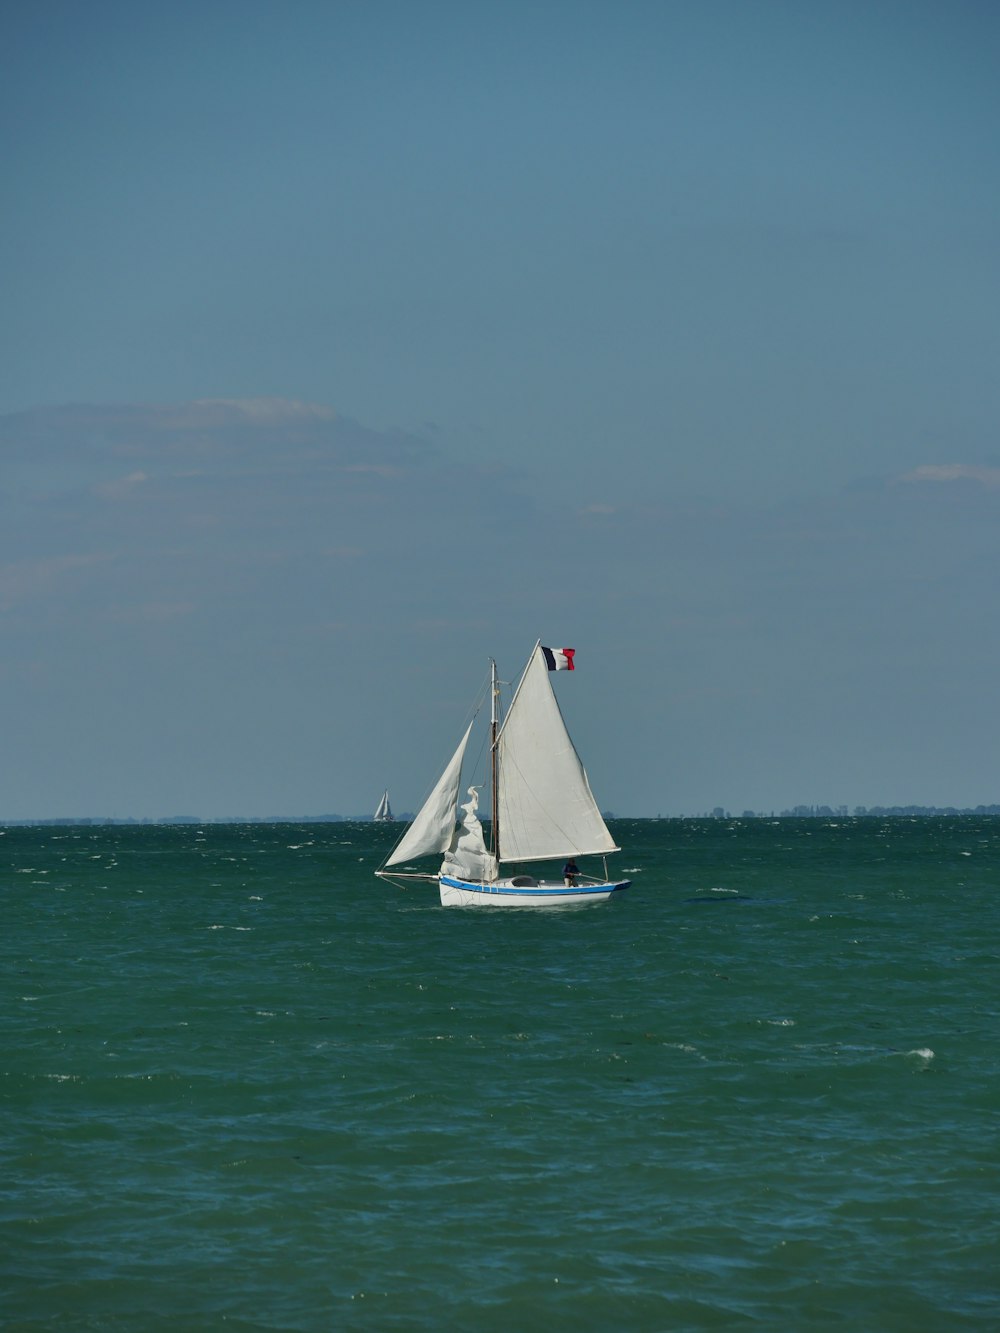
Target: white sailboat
{"x": 383, "y": 811}
{"x": 542, "y": 809}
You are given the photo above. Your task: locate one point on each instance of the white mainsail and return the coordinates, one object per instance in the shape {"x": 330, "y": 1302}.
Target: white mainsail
{"x": 434, "y": 826}
{"x": 546, "y": 809}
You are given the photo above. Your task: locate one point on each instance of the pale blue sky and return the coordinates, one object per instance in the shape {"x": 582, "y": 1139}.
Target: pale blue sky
{"x": 665, "y": 331}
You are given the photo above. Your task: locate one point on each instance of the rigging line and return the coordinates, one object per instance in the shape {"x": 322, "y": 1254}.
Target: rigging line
{"x": 480, "y": 757}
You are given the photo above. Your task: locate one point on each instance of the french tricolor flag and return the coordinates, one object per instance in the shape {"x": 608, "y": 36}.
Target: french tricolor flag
{"x": 559, "y": 659}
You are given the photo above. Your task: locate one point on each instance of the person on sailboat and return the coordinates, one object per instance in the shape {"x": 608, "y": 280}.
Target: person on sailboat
{"x": 570, "y": 872}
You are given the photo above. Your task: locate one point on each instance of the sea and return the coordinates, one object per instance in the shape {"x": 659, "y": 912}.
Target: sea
{"x": 248, "y": 1086}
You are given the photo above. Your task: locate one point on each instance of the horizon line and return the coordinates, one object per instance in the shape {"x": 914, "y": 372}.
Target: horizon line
{"x": 718, "y": 813}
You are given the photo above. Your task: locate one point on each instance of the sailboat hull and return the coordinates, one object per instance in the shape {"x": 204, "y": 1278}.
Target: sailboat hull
{"x": 523, "y": 891}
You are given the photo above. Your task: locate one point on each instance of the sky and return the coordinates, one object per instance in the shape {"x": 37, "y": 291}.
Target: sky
{"x": 346, "y": 345}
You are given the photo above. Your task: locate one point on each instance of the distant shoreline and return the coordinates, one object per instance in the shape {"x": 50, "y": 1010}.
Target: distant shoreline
{"x": 797, "y": 812}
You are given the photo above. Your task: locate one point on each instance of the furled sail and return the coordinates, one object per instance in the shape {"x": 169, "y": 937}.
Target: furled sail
{"x": 467, "y": 857}
{"x": 546, "y": 808}
{"x": 433, "y": 827}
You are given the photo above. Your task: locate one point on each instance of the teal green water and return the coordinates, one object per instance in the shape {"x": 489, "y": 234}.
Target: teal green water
{"x": 246, "y": 1085}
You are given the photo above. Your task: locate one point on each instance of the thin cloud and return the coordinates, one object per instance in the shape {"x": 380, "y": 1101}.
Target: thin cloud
{"x": 29, "y": 580}
{"x": 224, "y": 436}
{"x": 343, "y": 552}
{"x": 379, "y": 469}
{"x": 150, "y": 612}
{"x": 260, "y": 410}
{"x": 122, "y": 487}
{"x": 226, "y": 504}
{"x": 983, "y": 475}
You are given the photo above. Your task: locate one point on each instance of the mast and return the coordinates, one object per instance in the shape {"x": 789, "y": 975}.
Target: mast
{"x": 494, "y": 790}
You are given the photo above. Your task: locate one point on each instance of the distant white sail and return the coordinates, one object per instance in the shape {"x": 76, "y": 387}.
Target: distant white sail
{"x": 383, "y": 811}
{"x": 546, "y": 808}
{"x": 434, "y": 826}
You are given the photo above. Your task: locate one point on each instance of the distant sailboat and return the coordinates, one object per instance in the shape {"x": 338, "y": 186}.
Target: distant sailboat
{"x": 542, "y": 808}
{"x": 383, "y": 811}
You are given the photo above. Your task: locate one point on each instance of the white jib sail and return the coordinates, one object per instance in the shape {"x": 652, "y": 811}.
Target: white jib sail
{"x": 546, "y": 807}
{"x": 467, "y": 857}
{"x": 433, "y": 827}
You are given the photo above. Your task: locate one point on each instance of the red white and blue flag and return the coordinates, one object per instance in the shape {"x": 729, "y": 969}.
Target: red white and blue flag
{"x": 559, "y": 659}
